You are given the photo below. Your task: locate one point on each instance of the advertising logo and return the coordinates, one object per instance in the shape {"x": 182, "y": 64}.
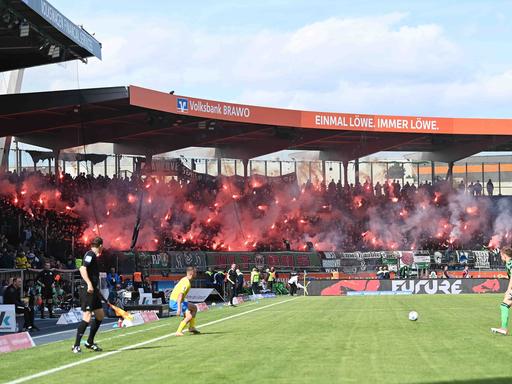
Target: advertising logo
{"x": 427, "y": 286}
{"x": 4, "y": 320}
{"x": 489, "y": 285}
{"x": 182, "y": 104}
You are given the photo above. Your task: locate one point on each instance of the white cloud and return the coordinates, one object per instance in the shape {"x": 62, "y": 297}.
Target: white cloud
{"x": 483, "y": 96}
{"x": 377, "y": 64}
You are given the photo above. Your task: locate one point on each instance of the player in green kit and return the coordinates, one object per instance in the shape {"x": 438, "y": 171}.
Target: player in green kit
{"x": 506, "y": 257}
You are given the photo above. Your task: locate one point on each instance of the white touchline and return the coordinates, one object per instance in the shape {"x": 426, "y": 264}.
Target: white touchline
{"x": 103, "y": 355}
{"x": 72, "y": 330}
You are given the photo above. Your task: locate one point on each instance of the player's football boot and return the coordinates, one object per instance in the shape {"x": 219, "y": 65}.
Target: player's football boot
{"x": 500, "y": 331}
{"x": 93, "y": 347}
{"x": 76, "y": 349}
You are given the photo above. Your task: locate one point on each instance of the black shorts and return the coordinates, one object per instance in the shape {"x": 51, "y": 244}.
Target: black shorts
{"x": 90, "y": 301}
{"x": 47, "y": 294}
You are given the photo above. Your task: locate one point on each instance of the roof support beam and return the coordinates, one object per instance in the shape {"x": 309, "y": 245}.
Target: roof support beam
{"x": 455, "y": 152}
{"x": 364, "y": 148}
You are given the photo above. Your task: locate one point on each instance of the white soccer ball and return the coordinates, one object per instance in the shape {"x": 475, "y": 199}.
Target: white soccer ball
{"x": 214, "y": 304}
{"x": 413, "y": 315}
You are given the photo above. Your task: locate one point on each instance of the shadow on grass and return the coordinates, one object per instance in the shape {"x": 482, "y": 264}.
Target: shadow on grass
{"x": 492, "y": 380}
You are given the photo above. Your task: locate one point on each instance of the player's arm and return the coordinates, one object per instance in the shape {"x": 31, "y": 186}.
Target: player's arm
{"x": 179, "y": 301}
{"x": 85, "y": 276}
{"x": 231, "y": 281}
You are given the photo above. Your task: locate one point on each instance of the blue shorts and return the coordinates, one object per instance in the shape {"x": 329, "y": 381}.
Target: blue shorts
{"x": 173, "y": 306}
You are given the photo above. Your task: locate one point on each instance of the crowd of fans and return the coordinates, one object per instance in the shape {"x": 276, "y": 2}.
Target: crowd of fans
{"x": 47, "y": 218}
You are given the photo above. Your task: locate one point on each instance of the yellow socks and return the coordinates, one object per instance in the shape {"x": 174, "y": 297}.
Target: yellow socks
{"x": 183, "y": 324}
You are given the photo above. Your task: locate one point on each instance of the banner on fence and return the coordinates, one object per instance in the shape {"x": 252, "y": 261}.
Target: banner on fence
{"x": 482, "y": 259}
{"x": 15, "y": 342}
{"x": 424, "y": 286}
{"x": 172, "y": 259}
{"x": 7, "y": 318}
{"x": 347, "y": 262}
{"x": 247, "y": 260}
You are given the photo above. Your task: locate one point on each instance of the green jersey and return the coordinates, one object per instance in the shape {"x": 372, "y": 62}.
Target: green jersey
{"x": 508, "y": 266}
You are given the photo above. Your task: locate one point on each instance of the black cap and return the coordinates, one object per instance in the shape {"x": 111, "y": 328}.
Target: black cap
{"x": 97, "y": 242}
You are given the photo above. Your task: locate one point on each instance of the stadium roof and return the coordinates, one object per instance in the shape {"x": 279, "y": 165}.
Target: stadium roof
{"x": 143, "y": 121}
{"x": 33, "y": 32}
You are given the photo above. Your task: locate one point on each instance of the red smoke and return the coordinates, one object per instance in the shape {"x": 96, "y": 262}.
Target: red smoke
{"x": 255, "y": 215}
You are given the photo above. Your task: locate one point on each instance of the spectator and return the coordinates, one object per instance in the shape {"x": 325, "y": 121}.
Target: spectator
{"x": 22, "y": 261}
{"x": 404, "y": 271}
{"x": 471, "y": 189}
{"x": 446, "y": 275}
{"x": 210, "y": 280}
{"x": 293, "y": 282}
{"x": 33, "y": 260}
{"x": 33, "y": 295}
{"x": 255, "y": 281}
{"x": 490, "y": 188}
{"x": 46, "y": 279}
{"x": 465, "y": 272}
{"x": 12, "y": 295}
{"x": 386, "y": 273}
{"x": 219, "y": 278}
{"x": 239, "y": 281}
{"x": 148, "y": 288}
{"x": 6, "y": 261}
{"x": 113, "y": 279}
{"x": 137, "y": 280}
{"x": 272, "y": 276}
{"x": 478, "y": 188}
{"x": 71, "y": 262}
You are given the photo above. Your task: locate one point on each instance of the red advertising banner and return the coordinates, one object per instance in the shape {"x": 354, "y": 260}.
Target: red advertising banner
{"x": 219, "y": 110}
{"x": 16, "y": 341}
{"x": 410, "y": 286}
{"x": 149, "y": 316}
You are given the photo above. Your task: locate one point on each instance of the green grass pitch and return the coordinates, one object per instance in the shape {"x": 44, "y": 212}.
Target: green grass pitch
{"x": 304, "y": 340}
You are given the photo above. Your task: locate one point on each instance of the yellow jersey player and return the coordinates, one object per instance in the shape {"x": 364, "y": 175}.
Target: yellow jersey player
{"x": 506, "y": 257}
{"x": 182, "y": 307}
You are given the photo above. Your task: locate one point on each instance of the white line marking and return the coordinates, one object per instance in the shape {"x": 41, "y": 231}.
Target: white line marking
{"x": 73, "y": 330}
{"x": 103, "y": 355}
{"x": 105, "y": 325}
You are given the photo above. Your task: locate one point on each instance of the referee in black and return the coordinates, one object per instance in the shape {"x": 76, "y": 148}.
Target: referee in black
{"x": 90, "y": 297}
{"x": 231, "y": 277}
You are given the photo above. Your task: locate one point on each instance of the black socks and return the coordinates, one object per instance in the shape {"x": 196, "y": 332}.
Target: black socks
{"x": 92, "y": 332}
{"x": 80, "y": 332}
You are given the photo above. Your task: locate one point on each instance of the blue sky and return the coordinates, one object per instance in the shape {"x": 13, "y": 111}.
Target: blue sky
{"x": 448, "y": 58}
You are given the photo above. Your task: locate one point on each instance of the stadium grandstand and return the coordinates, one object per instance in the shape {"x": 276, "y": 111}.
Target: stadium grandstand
{"x": 172, "y": 184}
{"x": 338, "y": 202}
